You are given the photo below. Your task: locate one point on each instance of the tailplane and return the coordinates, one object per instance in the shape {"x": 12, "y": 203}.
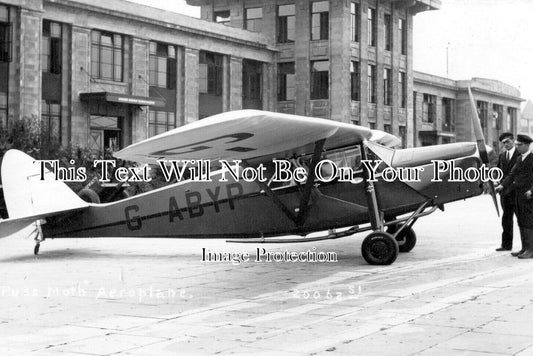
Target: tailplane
{"x": 27, "y": 197}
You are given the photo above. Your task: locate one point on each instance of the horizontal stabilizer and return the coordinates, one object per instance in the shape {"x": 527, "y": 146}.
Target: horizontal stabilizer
{"x": 9, "y": 227}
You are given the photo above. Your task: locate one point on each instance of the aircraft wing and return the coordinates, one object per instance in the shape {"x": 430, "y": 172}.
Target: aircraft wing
{"x": 245, "y": 135}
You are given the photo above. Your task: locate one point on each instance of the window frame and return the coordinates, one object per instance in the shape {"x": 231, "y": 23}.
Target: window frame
{"x": 355, "y": 80}
{"x": 402, "y": 88}
{"x": 254, "y": 24}
{"x": 4, "y": 109}
{"x": 284, "y": 32}
{"x": 51, "y": 55}
{"x": 252, "y": 81}
{"x": 355, "y": 19}
{"x": 319, "y": 91}
{"x": 6, "y": 36}
{"x": 372, "y": 80}
{"x": 48, "y": 116}
{"x": 218, "y": 14}
{"x": 286, "y": 71}
{"x": 371, "y": 27}
{"x": 320, "y": 21}
{"x": 387, "y": 22}
{"x": 212, "y": 62}
{"x": 387, "y": 86}
{"x": 153, "y": 123}
{"x": 117, "y": 55}
{"x": 162, "y": 51}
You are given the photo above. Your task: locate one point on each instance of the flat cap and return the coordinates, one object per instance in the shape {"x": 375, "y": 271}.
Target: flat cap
{"x": 524, "y": 139}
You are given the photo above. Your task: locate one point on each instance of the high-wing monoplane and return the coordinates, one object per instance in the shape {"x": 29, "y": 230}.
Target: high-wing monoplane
{"x": 255, "y": 210}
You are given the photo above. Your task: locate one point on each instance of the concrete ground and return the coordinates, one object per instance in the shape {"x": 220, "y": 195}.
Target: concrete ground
{"x": 453, "y": 294}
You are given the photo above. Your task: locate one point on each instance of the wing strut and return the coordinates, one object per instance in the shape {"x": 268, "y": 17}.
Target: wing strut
{"x": 304, "y": 201}
{"x": 268, "y": 191}
{"x": 376, "y": 220}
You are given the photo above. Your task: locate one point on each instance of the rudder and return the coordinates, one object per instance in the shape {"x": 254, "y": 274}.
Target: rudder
{"x": 27, "y": 195}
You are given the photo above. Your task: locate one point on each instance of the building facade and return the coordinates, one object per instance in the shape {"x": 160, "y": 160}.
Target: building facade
{"x": 105, "y": 74}
{"x": 349, "y": 61}
{"x": 526, "y": 121}
{"x": 442, "y": 109}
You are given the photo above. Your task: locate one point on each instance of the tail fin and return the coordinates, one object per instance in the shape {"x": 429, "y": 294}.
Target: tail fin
{"x": 27, "y": 197}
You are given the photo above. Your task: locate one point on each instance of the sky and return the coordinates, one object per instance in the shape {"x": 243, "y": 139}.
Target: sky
{"x": 464, "y": 39}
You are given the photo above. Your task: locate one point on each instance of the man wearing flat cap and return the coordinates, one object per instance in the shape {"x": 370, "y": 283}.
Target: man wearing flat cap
{"x": 506, "y": 162}
{"x": 520, "y": 181}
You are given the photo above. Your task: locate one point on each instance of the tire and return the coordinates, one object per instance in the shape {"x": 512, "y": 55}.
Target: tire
{"x": 406, "y": 240}
{"x": 379, "y": 248}
{"x": 89, "y": 196}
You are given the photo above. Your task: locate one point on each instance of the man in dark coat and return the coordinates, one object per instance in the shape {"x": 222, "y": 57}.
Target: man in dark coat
{"x": 506, "y": 161}
{"x": 520, "y": 181}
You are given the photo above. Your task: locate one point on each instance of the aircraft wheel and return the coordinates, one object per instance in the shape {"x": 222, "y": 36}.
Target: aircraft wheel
{"x": 406, "y": 240}
{"x": 36, "y": 249}
{"x": 89, "y": 196}
{"x": 379, "y": 248}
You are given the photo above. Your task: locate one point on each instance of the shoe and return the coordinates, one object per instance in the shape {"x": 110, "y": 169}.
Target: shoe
{"x": 527, "y": 254}
{"x": 528, "y": 240}
{"x": 518, "y": 253}
{"x": 503, "y": 249}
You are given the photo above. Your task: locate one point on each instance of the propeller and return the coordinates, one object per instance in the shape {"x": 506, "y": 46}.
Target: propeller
{"x": 482, "y": 148}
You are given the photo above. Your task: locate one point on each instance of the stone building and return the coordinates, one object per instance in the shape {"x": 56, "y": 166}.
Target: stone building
{"x": 442, "y": 109}
{"x": 105, "y": 74}
{"x": 526, "y": 121}
{"x": 349, "y": 61}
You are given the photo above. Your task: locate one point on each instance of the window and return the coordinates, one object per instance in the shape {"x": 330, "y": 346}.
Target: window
{"x": 387, "y": 86}
{"x": 402, "y": 87}
{"x": 51, "y": 51}
{"x": 252, "y": 74}
{"x": 429, "y": 109}
{"x": 403, "y": 135}
{"x": 387, "y": 128}
{"x": 448, "y": 122}
{"x": 286, "y": 23}
{"x": 320, "y": 20}
{"x": 371, "y": 83}
{"x": 355, "y": 81}
{"x": 5, "y": 34}
{"x": 511, "y": 119}
{"x": 210, "y": 78}
{"x": 3, "y": 110}
{"x": 372, "y": 125}
{"x": 483, "y": 112}
{"x": 319, "y": 80}
{"x": 388, "y": 32}
{"x": 51, "y": 121}
{"x": 162, "y": 71}
{"x": 354, "y": 19}
{"x": 497, "y": 116}
{"x": 402, "y": 28}
{"x": 160, "y": 121}
{"x": 222, "y": 17}
{"x": 372, "y": 27}
{"x": 106, "y": 55}
{"x": 286, "y": 81}
{"x": 254, "y": 19}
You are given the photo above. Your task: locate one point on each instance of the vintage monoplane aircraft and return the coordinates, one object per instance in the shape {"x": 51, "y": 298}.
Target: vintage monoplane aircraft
{"x": 256, "y": 211}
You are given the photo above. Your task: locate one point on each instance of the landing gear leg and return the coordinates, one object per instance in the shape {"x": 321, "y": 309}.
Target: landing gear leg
{"x": 38, "y": 238}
